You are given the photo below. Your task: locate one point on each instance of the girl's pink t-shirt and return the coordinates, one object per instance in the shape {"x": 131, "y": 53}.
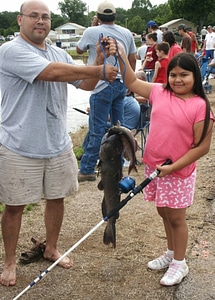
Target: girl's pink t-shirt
{"x": 171, "y": 128}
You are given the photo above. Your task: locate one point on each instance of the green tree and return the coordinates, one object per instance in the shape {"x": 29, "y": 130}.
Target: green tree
{"x": 143, "y": 4}
{"x": 140, "y": 8}
{"x": 195, "y": 11}
{"x": 89, "y": 18}
{"x": 74, "y": 10}
{"x": 162, "y": 13}
{"x": 136, "y": 25}
{"x": 58, "y": 20}
{"x": 143, "y": 9}
{"x": 121, "y": 16}
{"x": 8, "y": 23}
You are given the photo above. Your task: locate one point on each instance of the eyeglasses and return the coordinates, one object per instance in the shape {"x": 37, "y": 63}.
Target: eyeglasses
{"x": 36, "y": 18}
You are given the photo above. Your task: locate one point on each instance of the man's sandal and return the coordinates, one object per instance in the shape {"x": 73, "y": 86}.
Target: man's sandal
{"x": 34, "y": 254}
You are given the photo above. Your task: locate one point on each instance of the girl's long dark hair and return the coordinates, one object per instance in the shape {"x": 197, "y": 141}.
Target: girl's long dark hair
{"x": 188, "y": 62}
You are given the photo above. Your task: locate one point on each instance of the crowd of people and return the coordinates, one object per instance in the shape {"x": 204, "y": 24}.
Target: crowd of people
{"x": 36, "y": 155}
{"x": 202, "y": 49}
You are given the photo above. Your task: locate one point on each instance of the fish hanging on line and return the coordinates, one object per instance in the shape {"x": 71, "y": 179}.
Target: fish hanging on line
{"x": 118, "y": 141}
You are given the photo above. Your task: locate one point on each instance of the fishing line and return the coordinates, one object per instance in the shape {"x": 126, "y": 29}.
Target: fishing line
{"x": 115, "y": 56}
{"x": 102, "y": 44}
{"x": 81, "y": 111}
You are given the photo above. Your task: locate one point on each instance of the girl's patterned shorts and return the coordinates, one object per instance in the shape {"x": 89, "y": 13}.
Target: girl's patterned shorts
{"x": 170, "y": 191}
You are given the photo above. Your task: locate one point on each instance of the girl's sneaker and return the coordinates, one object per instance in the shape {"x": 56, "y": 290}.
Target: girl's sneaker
{"x": 174, "y": 274}
{"x": 160, "y": 263}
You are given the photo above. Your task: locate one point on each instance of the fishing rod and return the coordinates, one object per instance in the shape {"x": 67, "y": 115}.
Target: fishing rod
{"x": 125, "y": 185}
{"x": 81, "y": 111}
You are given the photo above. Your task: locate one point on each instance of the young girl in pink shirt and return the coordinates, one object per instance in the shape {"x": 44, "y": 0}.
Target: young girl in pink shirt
{"x": 180, "y": 129}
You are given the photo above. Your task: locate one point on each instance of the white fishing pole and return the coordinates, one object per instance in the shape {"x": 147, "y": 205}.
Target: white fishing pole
{"x": 135, "y": 191}
{"x": 42, "y": 275}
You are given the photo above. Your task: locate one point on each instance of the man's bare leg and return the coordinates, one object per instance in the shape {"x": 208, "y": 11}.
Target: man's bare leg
{"x": 53, "y": 220}
{"x": 10, "y": 223}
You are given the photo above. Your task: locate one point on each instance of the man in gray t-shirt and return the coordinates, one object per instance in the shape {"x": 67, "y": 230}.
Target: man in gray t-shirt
{"x": 36, "y": 156}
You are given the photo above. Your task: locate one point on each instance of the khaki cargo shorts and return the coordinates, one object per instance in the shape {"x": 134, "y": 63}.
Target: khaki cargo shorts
{"x": 25, "y": 180}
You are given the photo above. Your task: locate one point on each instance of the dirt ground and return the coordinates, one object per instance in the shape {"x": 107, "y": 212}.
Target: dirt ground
{"x": 101, "y": 272}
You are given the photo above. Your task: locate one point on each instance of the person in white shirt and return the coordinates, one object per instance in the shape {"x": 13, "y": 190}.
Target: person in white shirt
{"x": 141, "y": 52}
{"x": 203, "y": 33}
{"x": 209, "y": 43}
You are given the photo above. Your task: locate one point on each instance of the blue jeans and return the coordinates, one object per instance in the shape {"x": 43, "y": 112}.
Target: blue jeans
{"x": 107, "y": 102}
{"x": 209, "y": 71}
{"x": 149, "y": 74}
{"x": 131, "y": 117}
{"x": 204, "y": 65}
{"x": 210, "y": 53}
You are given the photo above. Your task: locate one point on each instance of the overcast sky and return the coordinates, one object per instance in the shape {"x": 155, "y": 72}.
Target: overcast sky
{"x": 14, "y": 5}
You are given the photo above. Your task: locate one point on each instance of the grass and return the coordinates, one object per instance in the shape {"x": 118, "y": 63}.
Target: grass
{"x": 73, "y": 53}
{"x": 1, "y": 208}
{"x": 27, "y": 208}
{"x": 78, "y": 151}
{"x": 77, "y": 140}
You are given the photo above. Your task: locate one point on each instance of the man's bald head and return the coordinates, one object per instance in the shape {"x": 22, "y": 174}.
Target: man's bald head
{"x": 32, "y": 4}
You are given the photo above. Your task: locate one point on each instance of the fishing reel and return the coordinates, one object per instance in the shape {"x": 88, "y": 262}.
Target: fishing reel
{"x": 126, "y": 184}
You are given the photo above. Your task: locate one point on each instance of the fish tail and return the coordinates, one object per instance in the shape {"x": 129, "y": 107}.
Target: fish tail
{"x": 132, "y": 167}
{"x": 110, "y": 234}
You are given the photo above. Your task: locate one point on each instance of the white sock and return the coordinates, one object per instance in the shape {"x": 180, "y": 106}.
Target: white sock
{"x": 170, "y": 253}
{"x": 178, "y": 262}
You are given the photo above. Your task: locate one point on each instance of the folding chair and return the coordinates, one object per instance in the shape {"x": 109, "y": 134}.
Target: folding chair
{"x": 143, "y": 127}
{"x": 205, "y": 72}
{"x": 203, "y": 67}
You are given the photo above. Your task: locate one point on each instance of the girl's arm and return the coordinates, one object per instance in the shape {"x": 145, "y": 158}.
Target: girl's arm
{"x": 140, "y": 99}
{"x": 143, "y": 64}
{"x": 193, "y": 154}
{"x": 157, "y": 67}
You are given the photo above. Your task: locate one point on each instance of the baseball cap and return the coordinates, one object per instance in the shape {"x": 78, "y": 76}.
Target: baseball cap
{"x": 209, "y": 26}
{"x": 151, "y": 23}
{"x": 106, "y": 8}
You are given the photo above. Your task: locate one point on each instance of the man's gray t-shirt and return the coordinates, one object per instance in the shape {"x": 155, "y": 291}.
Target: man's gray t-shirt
{"x": 90, "y": 38}
{"x": 33, "y": 112}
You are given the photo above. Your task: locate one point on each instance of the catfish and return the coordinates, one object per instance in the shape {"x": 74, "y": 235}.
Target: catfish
{"x": 110, "y": 169}
{"x": 115, "y": 143}
{"x": 129, "y": 144}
